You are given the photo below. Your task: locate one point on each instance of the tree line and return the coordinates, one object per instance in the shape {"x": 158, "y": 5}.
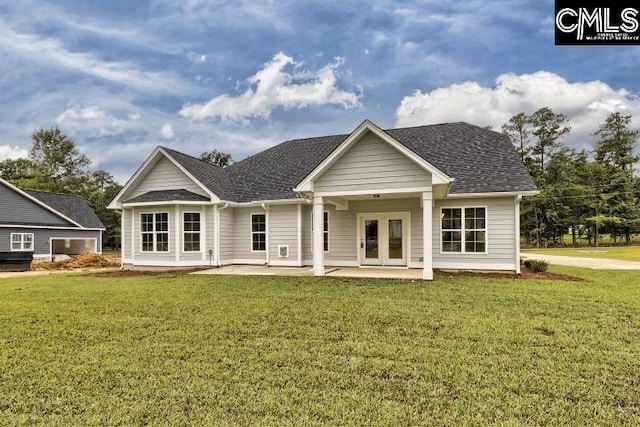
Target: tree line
{"x": 586, "y": 193}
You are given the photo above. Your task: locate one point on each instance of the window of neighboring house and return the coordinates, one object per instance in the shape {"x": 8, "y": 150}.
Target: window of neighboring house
{"x": 464, "y": 230}
{"x": 21, "y": 242}
{"x": 258, "y": 232}
{"x": 191, "y": 231}
{"x": 325, "y": 232}
{"x": 154, "y": 230}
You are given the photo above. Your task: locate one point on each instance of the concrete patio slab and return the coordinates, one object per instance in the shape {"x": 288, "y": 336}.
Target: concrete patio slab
{"x": 261, "y": 270}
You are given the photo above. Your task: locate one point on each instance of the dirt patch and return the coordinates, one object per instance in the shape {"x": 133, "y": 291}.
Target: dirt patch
{"x": 525, "y": 273}
{"x": 81, "y": 261}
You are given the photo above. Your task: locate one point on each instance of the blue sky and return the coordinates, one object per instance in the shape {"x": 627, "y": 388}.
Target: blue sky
{"x": 121, "y": 77}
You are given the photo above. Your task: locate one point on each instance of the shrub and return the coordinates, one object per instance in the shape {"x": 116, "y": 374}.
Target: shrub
{"x": 536, "y": 265}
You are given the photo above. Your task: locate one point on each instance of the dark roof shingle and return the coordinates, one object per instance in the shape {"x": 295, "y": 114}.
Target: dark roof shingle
{"x": 479, "y": 160}
{"x": 73, "y": 207}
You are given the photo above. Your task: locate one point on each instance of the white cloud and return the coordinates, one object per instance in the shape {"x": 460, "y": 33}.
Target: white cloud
{"x": 51, "y": 52}
{"x": 12, "y": 152}
{"x": 93, "y": 121}
{"x": 586, "y": 104}
{"x": 167, "y": 131}
{"x": 274, "y": 87}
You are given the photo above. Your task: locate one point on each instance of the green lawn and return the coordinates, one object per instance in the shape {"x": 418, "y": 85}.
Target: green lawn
{"x": 198, "y": 350}
{"x": 626, "y": 253}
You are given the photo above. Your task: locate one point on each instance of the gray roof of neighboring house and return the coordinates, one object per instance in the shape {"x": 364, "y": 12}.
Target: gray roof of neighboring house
{"x": 73, "y": 207}
{"x": 480, "y": 160}
{"x": 167, "y": 196}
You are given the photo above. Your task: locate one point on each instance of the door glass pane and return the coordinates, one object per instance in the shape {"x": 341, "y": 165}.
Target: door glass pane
{"x": 395, "y": 239}
{"x": 371, "y": 238}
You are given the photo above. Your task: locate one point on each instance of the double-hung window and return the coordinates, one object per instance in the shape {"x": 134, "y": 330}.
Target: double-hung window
{"x": 191, "y": 231}
{"x": 154, "y": 230}
{"x": 258, "y": 232}
{"x": 21, "y": 242}
{"x": 325, "y": 232}
{"x": 464, "y": 230}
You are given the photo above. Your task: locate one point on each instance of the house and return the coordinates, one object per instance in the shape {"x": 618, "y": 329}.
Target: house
{"x": 353, "y": 200}
{"x": 47, "y": 223}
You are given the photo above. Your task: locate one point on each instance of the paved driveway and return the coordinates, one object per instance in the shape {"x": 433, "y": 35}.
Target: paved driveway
{"x": 593, "y": 263}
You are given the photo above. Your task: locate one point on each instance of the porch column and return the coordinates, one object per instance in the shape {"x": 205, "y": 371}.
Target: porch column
{"x": 318, "y": 226}
{"x": 427, "y": 235}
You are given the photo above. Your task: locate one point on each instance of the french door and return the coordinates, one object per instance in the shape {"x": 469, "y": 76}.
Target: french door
{"x": 383, "y": 238}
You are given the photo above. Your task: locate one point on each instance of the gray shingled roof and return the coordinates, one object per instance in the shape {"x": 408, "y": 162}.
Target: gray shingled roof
{"x": 69, "y": 205}
{"x": 480, "y": 160}
{"x": 167, "y": 196}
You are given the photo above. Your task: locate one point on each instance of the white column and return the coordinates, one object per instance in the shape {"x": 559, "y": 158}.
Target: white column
{"x": 427, "y": 235}
{"x": 177, "y": 232}
{"x": 318, "y": 227}
{"x": 299, "y": 235}
{"x": 216, "y": 236}
{"x": 517, "y": 232}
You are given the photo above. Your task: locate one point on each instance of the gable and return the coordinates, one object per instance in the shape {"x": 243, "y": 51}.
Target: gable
{"x": 372, "y": 164}
{"x": 16, "y": 209}
{"x": 165, "y": 175}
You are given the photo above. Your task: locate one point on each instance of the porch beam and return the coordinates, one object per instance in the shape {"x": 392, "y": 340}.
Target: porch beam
{"x": 318, "y": 227}
{"x": 427, "y": 235}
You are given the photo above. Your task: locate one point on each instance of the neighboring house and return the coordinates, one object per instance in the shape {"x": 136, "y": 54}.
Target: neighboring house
{"x": 352, "y": 200}
{"x": 47, "y": 224}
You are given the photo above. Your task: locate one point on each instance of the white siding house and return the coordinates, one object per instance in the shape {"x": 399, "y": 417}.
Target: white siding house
{"x": 355, "y": 200}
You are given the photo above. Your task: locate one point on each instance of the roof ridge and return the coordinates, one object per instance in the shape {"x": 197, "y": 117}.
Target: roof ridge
{"x": 53, "y": 192}
{"x": 190, "y": 156}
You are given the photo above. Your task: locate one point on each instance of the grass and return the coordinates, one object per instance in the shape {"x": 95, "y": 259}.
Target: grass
{"x": 216, "y": 350}
{"x": 625, "y": 253}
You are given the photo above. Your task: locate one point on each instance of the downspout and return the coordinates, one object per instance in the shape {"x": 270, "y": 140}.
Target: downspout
{"x": 216, "y": 232}
{"x": 266, "y": 230}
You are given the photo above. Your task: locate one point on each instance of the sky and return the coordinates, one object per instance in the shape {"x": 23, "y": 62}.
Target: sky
{"x": 122, "y": 77}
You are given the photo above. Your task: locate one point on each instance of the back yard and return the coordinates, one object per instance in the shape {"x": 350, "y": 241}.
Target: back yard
{"x": 222, "y": 350}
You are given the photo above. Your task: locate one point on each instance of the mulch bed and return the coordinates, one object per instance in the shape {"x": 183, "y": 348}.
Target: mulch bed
{"x": 525, "y": 273}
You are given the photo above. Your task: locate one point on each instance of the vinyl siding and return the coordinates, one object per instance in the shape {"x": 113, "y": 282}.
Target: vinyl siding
{"x": 165, "y": 176}
{"x": 17, "y": 209}
{"x": 500, "y": 233}
{"x": 306, "y": 233}
{"x": 283, "y": 230}
{"x": 226, "y": 235}
{"x": 126, "y": 233}
{"x": 242, "y": 235}
{"x": 41, "y": 237}
{"x": 370, "y": 165}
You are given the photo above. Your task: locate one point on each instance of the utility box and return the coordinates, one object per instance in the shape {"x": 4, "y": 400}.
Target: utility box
{"x": 15, "y": 261}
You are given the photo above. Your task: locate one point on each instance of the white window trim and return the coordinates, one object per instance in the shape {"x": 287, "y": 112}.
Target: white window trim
{"x": 258, "y": 232}
{"x": 323, "y": 232}
{"x": 463, "y": 230}
{"x": 154, "y": 233}
{"x": 326, "y": 232}
{"x": 191, "y": 232}
{"x": 22, "y": 241}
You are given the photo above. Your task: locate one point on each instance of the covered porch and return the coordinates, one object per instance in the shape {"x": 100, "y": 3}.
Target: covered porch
{"x": 373, "y": 233}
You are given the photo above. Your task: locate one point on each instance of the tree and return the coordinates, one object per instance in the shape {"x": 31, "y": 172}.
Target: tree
{"x": 548, "y": 128}
{"x": 614, "y": 152}
{"x": 218, "y": 158}
{"x": 18, "y": 171}
{"x": 58, "y": 165}
{"x": 518, "y": 129}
